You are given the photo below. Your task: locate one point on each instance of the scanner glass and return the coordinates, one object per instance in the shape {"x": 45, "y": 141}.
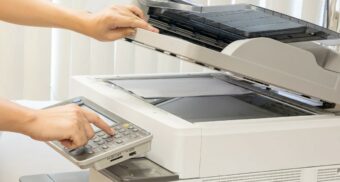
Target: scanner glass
{"x": 178, "y": 86}
{"x": 227, "y": 107}
{"x": 205, "y": 98}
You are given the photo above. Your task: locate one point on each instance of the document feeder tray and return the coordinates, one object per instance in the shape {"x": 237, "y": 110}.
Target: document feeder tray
{"x": 259, "y": 45}
{"x": 216, "y": 27}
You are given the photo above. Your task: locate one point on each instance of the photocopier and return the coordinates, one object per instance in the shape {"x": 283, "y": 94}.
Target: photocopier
{"x": 267, "y": 111}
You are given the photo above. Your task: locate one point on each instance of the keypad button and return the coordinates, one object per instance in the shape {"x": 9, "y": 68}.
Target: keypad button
{"x": 109, "y": 140}
{"x": 97, "y": 140}
{"x": 77, "y": 100}
{"x": 88, "y": 147}
{"x": 134, "y": 136}
{"x": 106, "y": 137}
{"x": 100, "y": 142}
{"x": 96, "y": 150}
{"x": 90, "y": 152}
{"x": 135, "y": 130}
{"x": 131, "y": 127}
{"x": 126, "y": 133}
{"x": 105, "y": 147}
{"x": 118, "y": 136}
{"x": 119, "y": 141}
{"x": 101, "y": 134}
{"x": 78, "y": 151}
{"x": 126, "y": 125}
{"x": 117, "y": 127}
{"x": 122, "y": 130}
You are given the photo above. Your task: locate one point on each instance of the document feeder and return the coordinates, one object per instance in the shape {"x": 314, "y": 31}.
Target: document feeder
{"x": 216, "y": 27}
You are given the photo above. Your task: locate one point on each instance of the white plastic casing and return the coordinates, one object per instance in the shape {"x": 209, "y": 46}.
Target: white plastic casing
{"x": 264, "y": 60}
{"x": 219, "y": 148}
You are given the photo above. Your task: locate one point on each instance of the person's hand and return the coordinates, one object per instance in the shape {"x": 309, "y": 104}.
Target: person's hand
{"x": 115, "y": 22}
{"x": 70, "y": 124}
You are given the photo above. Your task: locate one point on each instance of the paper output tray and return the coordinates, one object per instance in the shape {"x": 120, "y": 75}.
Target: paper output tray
{"x": 139, "y": 170}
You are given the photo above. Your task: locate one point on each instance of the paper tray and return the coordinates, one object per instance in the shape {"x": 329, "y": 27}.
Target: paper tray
{"x": 139, "y": 170}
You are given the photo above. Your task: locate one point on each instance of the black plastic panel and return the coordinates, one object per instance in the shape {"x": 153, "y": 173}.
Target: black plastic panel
{"x": 216, "y": 27}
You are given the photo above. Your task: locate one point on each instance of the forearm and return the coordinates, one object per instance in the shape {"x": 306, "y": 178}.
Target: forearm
{"x": 14, "y": 118}
{"x": 41, "y": 13}
{"x": 110, "y": 24}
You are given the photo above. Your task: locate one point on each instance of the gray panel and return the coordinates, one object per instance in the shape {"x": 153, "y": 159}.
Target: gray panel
{"x": 162, "y": 87}
{"x": 205, "y": 98}
{"x": 82, "y": 176}
{"x": 36, "y": 178}
{"x": 71, "y": 177}
{"x": 217, "y": 108}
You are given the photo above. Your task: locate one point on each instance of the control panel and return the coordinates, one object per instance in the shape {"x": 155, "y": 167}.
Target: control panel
{"x": 103, "y": 150}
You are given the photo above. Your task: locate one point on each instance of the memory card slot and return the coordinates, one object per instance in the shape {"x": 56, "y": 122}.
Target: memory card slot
{"x": 117, "y": 158}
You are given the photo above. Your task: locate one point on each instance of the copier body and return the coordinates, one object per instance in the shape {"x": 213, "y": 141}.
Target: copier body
{"x": 275, "y": 147}
{"x": 260, "y": 144}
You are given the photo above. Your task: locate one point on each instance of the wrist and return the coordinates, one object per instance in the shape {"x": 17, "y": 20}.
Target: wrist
{"x": 16, "y": 118}
{"x": 25, "y": 125}
{"x": 81, "y": 22}
{"x": 73, "y": 20}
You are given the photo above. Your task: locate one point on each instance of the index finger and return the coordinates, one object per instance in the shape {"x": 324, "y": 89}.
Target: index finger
{"x": 137, "y": 11}
{"x": 97, "y": 121}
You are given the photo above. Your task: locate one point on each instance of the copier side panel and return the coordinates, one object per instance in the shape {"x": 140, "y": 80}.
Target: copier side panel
{"x": 176, "y": 144}
{"x": 284, "y": 143}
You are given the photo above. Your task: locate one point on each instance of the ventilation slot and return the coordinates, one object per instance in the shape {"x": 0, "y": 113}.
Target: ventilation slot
{"x": 329, "y": 175}
{"x": 270, "y": 176}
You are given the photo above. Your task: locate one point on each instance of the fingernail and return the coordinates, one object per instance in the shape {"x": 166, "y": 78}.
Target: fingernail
{"x": 112, "y": 131}
{"x": 133, "y": 32}
{"x": 151, "y": 27}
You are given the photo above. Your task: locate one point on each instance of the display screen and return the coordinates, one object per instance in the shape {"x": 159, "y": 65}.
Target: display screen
{"x": 104, "y": 118}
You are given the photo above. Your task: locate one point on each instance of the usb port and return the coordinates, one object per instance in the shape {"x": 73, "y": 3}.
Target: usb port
{"x": 132, "y": 153}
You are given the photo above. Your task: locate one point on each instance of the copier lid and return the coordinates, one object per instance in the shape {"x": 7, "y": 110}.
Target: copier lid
{"x": 217, "y": 26}
{"x": 226, "y": 38}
